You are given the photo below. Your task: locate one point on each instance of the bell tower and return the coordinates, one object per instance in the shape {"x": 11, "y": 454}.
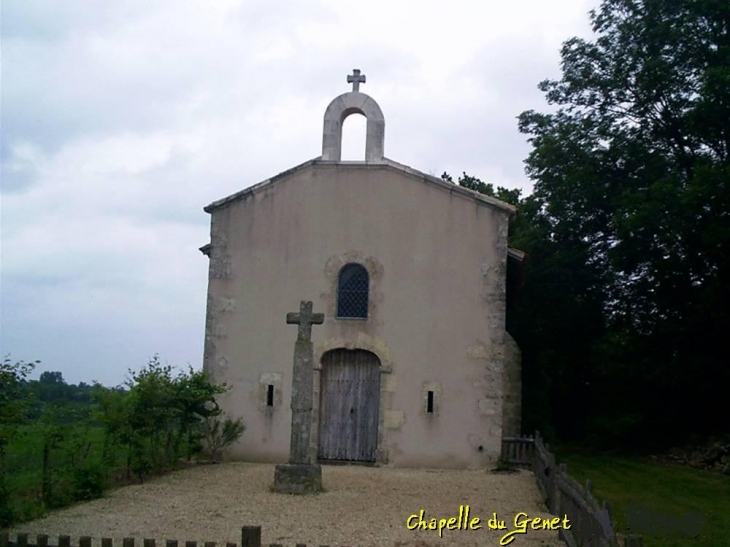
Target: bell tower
{"x": 353, "y": 102}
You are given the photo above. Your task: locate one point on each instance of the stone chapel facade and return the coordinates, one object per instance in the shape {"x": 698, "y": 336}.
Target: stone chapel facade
{"x": 413, "y": 365}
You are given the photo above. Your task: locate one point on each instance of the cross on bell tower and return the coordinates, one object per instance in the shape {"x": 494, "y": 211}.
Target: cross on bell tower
{"x": 356, "y": 79}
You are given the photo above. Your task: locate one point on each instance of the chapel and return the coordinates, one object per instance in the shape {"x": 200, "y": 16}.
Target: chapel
{"x": 413, "y": 366}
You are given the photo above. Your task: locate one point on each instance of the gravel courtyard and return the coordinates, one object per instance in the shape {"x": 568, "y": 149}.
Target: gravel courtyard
{"x": 362, "y": 506}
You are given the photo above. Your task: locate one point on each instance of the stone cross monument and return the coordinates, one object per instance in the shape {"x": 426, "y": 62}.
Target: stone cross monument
{"x": 301, "y": 475}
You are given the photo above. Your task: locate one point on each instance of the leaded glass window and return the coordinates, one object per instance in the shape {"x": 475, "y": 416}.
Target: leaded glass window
{"x": 352, "y": 291}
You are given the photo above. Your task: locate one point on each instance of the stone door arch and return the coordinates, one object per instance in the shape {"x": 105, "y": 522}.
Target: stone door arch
{"x": 349, "y": 405}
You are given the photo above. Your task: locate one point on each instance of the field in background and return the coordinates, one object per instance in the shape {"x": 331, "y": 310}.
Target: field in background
{"x": 43, "y": 473}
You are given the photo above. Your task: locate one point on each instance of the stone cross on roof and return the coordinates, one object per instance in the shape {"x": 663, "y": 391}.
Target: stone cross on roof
{"x": 305, "y": 319}
{"x": 355, "y": 79}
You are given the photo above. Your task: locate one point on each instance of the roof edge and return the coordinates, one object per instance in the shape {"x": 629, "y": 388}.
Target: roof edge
{"x": 451, "y": 186}
{"x": 251, "y": 189}
{"x": 385, "y": 162}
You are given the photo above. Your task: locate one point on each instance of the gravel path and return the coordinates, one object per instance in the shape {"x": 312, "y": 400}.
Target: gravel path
{"x": 362, "y": 506}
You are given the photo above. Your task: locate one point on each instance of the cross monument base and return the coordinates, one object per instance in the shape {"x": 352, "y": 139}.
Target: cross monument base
{"x": 298, "y": 478}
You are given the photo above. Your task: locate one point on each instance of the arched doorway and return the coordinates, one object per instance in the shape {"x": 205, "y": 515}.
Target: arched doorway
{"x": 349, "y": 405}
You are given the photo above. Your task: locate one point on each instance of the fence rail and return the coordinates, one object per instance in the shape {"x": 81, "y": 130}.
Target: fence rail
{"x": 518, "y": 450}
{"x": 591, "y": 522}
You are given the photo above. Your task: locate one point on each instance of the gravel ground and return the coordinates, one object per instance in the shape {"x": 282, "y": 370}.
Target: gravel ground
{"x": 362, "y": 506}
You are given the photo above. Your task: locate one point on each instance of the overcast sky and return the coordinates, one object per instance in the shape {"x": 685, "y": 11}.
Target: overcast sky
{"x": 121, "y": 120}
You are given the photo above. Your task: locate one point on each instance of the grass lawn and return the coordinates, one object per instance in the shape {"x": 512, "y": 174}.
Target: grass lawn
{"x": 666, "y": 495}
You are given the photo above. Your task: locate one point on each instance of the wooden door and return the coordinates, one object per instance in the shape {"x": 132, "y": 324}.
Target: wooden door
{"x": 349, "y": 405}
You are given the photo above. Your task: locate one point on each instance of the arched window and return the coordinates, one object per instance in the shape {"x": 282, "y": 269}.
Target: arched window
{"x": 352, "y": 291}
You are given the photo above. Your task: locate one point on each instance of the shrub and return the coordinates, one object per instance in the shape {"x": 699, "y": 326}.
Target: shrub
{"x": 218, "y": 434}
{"x": 90, "y": 481}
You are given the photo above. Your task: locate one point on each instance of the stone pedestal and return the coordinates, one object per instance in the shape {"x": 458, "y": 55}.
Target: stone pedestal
{"x": 298, "y": 478}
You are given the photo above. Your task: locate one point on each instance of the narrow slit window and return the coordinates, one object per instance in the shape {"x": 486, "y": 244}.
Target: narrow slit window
{"x": 353, "y": 286}
{"x": 270, "y": 395}
{"x": 429, "y": 403}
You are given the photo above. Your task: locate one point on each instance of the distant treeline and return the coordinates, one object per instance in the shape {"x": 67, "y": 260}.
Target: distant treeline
{"x": 51, "y": 388}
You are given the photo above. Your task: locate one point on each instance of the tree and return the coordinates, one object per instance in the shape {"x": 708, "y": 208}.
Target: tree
{"x": 160, "y": 418}
{"x": 631, "y": 191}
{"x": 487, "y": 188}
{"x": 53, "y": 378}
{"x": 196, "y": 399}
{"x": 14, "y": 404}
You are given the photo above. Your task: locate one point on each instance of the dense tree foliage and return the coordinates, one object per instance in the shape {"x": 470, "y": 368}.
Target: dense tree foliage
{"x": 624, "y": 309}
{"x": 13, "y": 411}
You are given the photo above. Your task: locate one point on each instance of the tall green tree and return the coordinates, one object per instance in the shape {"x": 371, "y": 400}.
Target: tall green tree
{"x": 631, "y": 192}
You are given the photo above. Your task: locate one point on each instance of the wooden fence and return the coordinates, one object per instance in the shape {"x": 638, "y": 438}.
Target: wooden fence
{"x": 591, "y": 523}
{"x": 518, "y": 450}
{"x": 250, "y": 537}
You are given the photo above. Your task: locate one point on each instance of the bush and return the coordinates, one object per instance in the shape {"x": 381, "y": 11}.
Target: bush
{"x": 218, "y": 434}
{"x": 6, "y": 513}
{"x": 90, "y": 481}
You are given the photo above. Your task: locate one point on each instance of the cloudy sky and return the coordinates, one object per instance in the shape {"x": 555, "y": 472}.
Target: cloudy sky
{"x": 121, "y": 120}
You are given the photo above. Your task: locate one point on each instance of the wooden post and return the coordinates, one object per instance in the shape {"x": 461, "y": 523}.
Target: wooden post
{"x": 552, "y": 483}
{"x": 251, "y": 536}
{"x": 609, "y": 511}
